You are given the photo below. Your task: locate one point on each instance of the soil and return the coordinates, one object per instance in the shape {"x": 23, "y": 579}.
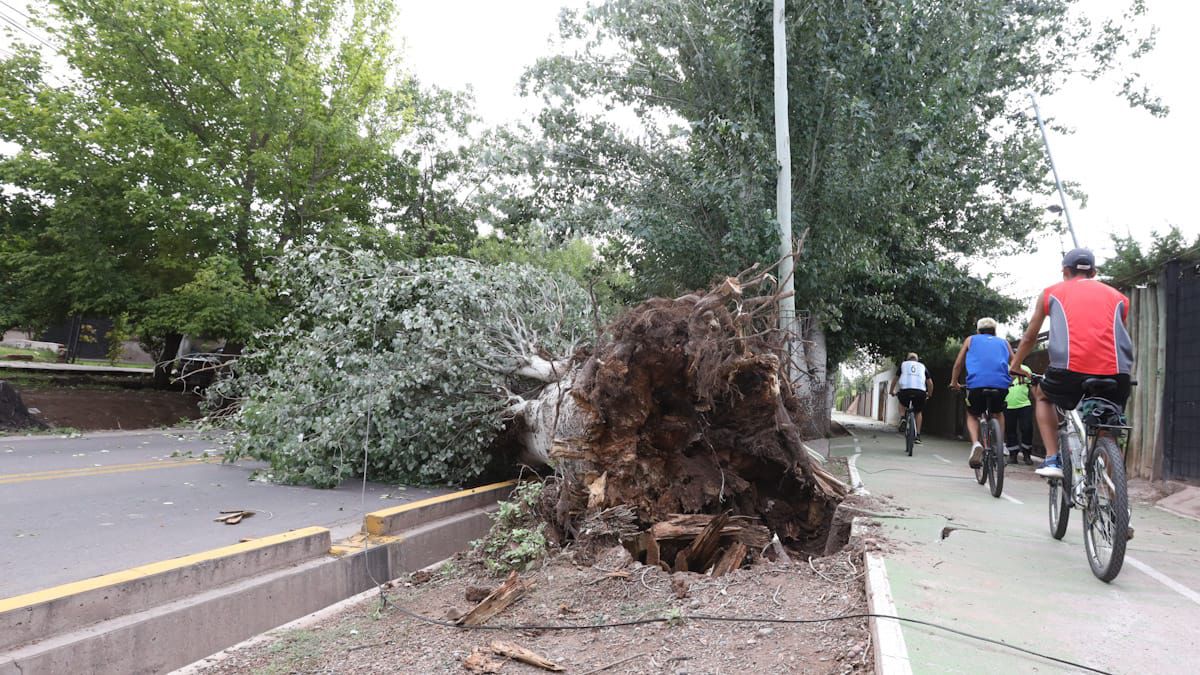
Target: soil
{"x": 102, "y": 408}
{"x": 365, "y": 639}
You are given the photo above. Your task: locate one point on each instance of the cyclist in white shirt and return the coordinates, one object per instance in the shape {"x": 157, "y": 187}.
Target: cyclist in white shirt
{"x": 915, "y": 385}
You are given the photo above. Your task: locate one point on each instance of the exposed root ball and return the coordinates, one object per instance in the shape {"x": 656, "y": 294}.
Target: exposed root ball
{"x": 690, "y": 410}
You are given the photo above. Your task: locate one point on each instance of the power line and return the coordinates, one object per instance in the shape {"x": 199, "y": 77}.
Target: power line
{"x": 27, "y": 17}
{"x": 4, "y": 17}
{"x": 748, "y": 619}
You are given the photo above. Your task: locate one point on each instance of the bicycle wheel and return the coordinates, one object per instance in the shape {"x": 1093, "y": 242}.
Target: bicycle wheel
{"x": 1106, "y": 513}
{"x": 1060, "y": 494}
{"x": 910, "y": 433}
{"x": 995, "y": 467}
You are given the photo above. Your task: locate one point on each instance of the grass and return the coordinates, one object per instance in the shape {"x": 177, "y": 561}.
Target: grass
{"x": 39, "y": 355}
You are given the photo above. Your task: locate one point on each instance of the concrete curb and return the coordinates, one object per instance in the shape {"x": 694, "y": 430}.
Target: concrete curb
{"x": 64, "y": 608}
{"x": 157, "y": 627}
{"x": 890, "y": 650}
{"x": 406, "y": 516}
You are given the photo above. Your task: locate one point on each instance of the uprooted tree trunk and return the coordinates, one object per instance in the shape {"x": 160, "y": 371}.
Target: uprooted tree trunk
{"x": 14, "y": 416}
{"x": 687, "y": 409}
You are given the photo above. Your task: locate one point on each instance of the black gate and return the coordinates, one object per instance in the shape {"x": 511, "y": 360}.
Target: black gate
{"x": 1181, "y": 388}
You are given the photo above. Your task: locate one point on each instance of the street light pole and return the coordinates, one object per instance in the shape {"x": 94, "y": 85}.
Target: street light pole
{"x": 1057, "y": 183}
{"x": 783, "y": 187}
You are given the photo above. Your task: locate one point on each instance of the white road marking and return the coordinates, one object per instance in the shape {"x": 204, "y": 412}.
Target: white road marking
{"x": 1012, "y": 499}
{"x": 891, "y": 653}
{"x": 856, "y": 480}
{"x": 1164, "y": 579}
{"x": 940, "y": 458}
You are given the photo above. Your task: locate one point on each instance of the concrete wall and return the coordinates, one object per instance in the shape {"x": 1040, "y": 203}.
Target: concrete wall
{"x": 890, "y": 411}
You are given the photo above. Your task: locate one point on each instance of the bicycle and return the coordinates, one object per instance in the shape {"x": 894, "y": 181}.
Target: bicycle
{"x": 1094, "y": 481}
{"x": 908, "y": 426}
{"x": 991, "y": 469}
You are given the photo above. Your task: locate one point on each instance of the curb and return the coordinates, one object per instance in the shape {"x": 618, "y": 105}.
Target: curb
{"x": 890, "y": 650}
{"x": 32, "y": 616}
{"x": 162, "y": 616}
{"x": 406, "y": 516}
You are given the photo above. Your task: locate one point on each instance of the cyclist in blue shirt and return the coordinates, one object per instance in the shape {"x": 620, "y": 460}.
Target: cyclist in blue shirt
{"x": 986, "y": 358}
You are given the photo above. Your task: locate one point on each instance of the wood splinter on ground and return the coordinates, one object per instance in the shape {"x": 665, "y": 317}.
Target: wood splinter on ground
{"x": 519, "y": 653}
{"x": 497, "y": 601}
{"x": 233, "y": 517}
{"x": 480, "y": 662}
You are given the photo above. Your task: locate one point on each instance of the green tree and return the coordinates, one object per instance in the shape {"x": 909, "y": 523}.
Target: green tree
{"x": 190, "y": 130}
{"x": 1132, "y": 264}
{"x": 911, "y": 148}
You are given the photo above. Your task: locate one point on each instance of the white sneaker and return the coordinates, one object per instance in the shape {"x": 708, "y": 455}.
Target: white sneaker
{"x": 976, "y": 460}
{"x": 1051, "y": 468}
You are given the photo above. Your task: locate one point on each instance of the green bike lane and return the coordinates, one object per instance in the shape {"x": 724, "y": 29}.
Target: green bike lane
{"x": 998, "y": 573}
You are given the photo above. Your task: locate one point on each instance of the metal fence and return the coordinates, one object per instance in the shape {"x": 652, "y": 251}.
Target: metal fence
{"x": 1181, "y": 399}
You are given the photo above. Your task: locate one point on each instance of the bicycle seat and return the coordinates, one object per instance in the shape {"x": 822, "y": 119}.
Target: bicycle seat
{"x": 991, "y": 391}
{"x": 1099, "y": 386}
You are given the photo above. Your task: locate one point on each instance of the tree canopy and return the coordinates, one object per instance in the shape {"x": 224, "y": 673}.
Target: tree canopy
{"x": 1132, "y": 263}
{"x": 911, "y": 146}
{"x": 191, "y": 131}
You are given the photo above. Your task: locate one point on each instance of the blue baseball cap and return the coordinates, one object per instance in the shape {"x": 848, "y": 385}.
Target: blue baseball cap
{"x": 1080, "y": 259}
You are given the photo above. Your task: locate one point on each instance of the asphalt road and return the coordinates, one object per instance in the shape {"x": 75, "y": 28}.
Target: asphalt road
{"x": 1001, "y": 575}
{"x": 73, "y": 508}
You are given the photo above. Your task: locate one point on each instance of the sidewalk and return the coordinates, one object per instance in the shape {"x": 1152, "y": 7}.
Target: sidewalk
{"x": 997, "y": 572}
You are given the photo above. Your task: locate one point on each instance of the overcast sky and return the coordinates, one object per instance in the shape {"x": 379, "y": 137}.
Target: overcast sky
{"x": 1138, "y": 171}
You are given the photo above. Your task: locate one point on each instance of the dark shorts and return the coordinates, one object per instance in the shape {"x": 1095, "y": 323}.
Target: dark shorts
{"x": 1064, "y": 388}
{"x": 917, "y": 396}
{"x": 979, "y": 400}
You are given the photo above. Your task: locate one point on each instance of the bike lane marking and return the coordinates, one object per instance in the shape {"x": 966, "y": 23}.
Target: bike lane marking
{"x": 940, "y": 458}
{"x": 1163, "y": 579}
{"x": 1011, "y": 499}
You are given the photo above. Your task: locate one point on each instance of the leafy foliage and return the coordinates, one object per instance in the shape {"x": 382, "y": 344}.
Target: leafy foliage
{"x": 1132, "y": 264}
{"x": 517, "y": 538}
{"x": 188, "y": 132}
{"x": 217, "y": 303}
{"x": 410, "y": 362}
{"x": 910, "y": 145}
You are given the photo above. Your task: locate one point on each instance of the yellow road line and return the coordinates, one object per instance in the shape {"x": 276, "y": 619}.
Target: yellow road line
{"x": 9, "y": 478}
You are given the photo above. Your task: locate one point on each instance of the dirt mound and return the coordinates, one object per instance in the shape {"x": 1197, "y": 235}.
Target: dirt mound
{"x": 14, "y": 416}
{"x": 100, "y": 408}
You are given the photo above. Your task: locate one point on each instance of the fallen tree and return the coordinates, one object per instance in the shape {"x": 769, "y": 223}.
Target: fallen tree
{"x": 683, "y": 407}
{"x": 686, "y": 408}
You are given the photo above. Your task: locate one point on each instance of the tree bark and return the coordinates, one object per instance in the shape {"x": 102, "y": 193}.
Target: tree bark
{"x": 164, "y": 362}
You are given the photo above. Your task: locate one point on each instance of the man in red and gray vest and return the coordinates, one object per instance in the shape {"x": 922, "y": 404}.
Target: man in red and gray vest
{"x": 1087, "y": 339}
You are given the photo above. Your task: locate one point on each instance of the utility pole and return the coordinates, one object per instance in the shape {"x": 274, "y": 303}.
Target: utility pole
{"x": 1057, "y": 183}
{"x": 783, "y": 188}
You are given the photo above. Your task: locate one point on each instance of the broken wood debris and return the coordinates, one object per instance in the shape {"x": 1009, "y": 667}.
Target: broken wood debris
{"x": 513, "y": 589}
{"x": 700, "y": 543}
{"x": 480, "y": 662}
{"x": 519, "y": 653}
{"x": 233, "y": 517}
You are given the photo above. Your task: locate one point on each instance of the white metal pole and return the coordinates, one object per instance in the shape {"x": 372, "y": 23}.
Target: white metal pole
{"x": 783, "y": 189}
{"x": 1057, "y": 183}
